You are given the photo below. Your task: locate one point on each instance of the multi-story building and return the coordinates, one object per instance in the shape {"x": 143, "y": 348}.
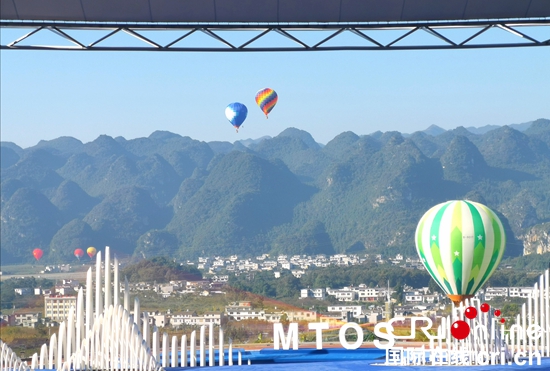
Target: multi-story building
{"x": 371, "y": 294}
{"x": 315, "y": 293}
{"x": 57, "y": 307}
{"x": 318, "y": 293}
{"x": 301, "y": 315}
{"x": 520, "y": 292}
{"x": 492, "y": 292}
{"x": 244, "y": 310}
{"x": 332, "y": 320}
{"x": 274, "y": 317}
{"x": 346, "y": 295}
{"x": 414, "y": 296}
{"x": 179, "y": 319}
{"x": 27, "y": 319}
{"x": 197, "y": 320}
{"x": 355, "y": 310}
{"x": 157, "y": 319}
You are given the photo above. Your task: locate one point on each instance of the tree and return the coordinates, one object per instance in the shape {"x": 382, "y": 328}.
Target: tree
{"x": 287, "y": 286}
{"x": 398, "y": 294}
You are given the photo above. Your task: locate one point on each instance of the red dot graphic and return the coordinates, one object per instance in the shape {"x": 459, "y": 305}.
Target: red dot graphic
{"x": 497, "y": 312}
{"x": 502, "y": 320}
{"x": 460, "y": 330}
{"x": 485, "y": 307}
{"x": 470, "y": 312}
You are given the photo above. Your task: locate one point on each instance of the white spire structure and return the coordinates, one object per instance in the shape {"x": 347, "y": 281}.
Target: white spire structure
{"x": 106, "y": 339}
{"x": 98, "y": 294}
{"x": 126, "y": 295}
{"x": 107, "y": 277}
{"x": 116, "y": 285}
{"x": 89, "y": 308}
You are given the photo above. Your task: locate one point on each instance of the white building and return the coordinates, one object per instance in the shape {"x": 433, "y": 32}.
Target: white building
{"x": 157, "y": 319}
{"x": 222, "y": 278}
{"x": 27, "y": 319}
{"x": 318, "y": 294}
{"x": 345, "y": 295}
{"x": 297, "y": 273}
{"x": 414, "y": 297}
{"x": 371, "y": 294}
{"x": 520, "y": 292}
{"x": 179, "y": 319}
{"x": 374, "y": 317}
{"x": 243, "y": 311}
{"x": 492, "y": 292}
{"x": 22, "y": 291}
{"x": 57, "y": 307}
{"x": 301, "y": 315}
{"x": 355, "y": 310}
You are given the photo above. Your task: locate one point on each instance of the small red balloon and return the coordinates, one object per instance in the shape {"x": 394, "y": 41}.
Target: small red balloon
{"x": 502, "y": 320}
{"x": 470, "y": 312}
{"x": 485, "y": 307}
{"x": 37, "y": 253}
{"x": 497, "y": 312}
{"x": 460, "y": 330}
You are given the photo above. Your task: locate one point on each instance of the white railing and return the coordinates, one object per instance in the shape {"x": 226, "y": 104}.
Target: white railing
{"x": 9, "y": 360}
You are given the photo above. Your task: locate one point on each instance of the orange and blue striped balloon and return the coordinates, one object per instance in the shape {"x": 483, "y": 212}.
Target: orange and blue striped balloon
{"x": 266, "y": 99}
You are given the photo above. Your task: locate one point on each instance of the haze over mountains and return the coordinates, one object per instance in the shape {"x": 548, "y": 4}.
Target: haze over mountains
{"x": 175, "y": 196}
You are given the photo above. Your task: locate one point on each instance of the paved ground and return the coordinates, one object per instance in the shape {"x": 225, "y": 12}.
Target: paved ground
{"x": 52, "y": 276}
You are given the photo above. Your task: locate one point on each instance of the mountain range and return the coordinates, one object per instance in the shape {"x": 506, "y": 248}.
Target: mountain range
{"x": 171, "y": 195}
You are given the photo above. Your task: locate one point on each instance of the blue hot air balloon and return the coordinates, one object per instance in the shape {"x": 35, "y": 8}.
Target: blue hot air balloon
{"x": 236, "y": 114}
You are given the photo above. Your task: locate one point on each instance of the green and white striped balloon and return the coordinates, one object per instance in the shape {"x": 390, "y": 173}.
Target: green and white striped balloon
{"x": 461, "y": 244}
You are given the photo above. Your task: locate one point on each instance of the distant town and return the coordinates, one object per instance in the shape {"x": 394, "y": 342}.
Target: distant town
{"x": 357, "y": 303}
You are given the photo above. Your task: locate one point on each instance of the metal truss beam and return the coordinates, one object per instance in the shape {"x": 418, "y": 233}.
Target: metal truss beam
{"x": 362, "y": 33}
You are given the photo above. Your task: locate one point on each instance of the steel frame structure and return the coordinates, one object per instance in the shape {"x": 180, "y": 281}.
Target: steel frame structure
{"x": 290, "y": 31}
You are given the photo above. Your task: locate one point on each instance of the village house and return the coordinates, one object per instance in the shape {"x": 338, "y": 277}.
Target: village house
{"x": 492, "y": 292}
{"x": 242, "y": 311}
{"x": 520, "y": 292}
{"x": 356, "y": 311}
{"x": 22, "y": 291}
{"x": 179, "y": 319}
{"x": 27, "y": 319}
{"x": 157, "y": 319}
{"x": 301, "y": 315}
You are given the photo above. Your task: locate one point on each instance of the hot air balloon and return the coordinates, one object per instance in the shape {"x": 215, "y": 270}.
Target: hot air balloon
{"x": 91, "y": 251}
{"x": 79, "y": 253}
{"x": 236, "y": 114}
{"x": 461, "y": 244}
{"x": 266, "y": 99}
{"x": 37, "y": 253}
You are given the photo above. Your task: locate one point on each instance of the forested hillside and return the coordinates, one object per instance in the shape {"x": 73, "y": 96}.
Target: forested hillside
{"x": 174, "y": 196}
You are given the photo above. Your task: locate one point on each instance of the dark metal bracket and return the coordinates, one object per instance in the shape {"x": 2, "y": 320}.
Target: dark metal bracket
{"x": 361, "y": 34}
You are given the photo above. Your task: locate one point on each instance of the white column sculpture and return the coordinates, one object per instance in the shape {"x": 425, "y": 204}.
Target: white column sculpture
{"x": 98, "y": 293}
{"x": 116, "y": 285}
{"x": 107, "y": 277}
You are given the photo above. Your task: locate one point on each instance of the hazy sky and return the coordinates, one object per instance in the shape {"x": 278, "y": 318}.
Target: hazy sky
{"x": 46, "y": 94}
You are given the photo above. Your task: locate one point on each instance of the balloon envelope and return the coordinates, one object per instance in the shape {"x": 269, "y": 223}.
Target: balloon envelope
{"x": 266, "y": 99}
{"x": 461, "y": 244}
{"x": 236, "y": 114}
{"x": 91, "y": 251}
{"x": 37, "y": 253}
{"x": 79, "y": 253}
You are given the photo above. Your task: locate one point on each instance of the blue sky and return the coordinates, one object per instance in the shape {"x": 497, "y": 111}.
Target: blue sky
{"x": 46, "y": 94}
